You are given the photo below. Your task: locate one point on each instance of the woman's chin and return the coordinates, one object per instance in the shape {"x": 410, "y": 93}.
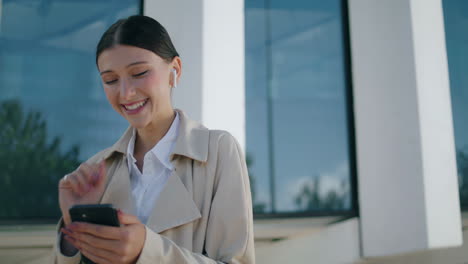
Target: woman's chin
{"x": 138, "y": 124}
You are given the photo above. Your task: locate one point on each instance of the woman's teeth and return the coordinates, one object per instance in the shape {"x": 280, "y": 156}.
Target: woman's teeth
{"x": 135, "y": 106}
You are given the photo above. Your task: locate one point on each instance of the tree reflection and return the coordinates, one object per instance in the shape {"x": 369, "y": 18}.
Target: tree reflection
{"x": 312, "y": 196}
{"x": 462, "y": 164}
{"x": 258, "y": 207}
{"x": 31, "y": 163}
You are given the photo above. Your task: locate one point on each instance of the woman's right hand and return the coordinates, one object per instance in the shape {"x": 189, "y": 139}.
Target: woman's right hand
{"x": 85, "y": 185}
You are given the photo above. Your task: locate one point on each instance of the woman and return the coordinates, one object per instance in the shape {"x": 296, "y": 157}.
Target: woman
{"x": 182, "y": 190}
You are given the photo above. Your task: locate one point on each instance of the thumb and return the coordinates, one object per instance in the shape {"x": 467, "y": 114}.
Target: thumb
{"x": 127, "y": 219}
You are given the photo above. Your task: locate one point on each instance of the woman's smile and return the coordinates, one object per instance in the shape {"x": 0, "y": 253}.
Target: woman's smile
{"x": 134, "y": 107}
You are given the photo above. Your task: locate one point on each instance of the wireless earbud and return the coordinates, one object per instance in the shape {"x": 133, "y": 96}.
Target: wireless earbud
{"x": 174, "y": 74}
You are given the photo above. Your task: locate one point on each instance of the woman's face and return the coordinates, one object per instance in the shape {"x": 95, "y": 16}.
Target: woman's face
{"x": 137, "y": 84}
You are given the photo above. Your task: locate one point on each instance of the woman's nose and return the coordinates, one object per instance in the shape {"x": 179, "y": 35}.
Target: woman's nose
{"x": 127, "y": 90}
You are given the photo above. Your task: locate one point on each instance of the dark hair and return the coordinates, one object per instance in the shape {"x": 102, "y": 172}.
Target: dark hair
{"x": 138, "y": 31}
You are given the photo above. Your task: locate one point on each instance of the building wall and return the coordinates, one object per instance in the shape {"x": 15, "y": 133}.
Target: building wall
{"x": 389, "y": 99}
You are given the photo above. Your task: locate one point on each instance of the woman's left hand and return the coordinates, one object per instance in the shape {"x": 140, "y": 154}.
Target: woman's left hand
{"x": 106, "y": 244}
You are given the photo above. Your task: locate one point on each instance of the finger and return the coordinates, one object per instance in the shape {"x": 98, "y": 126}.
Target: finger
{"x": 93, "y": 255}
{"x": 102, "y": 231}
{"x": 66, "y": 231}
{"x": 71, "y": 240}
{"x": 87, "y": 171}
{"x": 83, "y": 182}
{"x": 127, "y": 219}
{"x": 74, "y": 183}
{"x": 64, "y": 183}
{"x": 98, "y": 242}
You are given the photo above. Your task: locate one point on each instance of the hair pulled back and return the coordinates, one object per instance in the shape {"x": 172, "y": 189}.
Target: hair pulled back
{"x": 138, "y": 31}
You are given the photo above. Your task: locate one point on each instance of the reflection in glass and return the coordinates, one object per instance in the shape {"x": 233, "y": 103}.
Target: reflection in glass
{"x": 31, "y": 165}
{"x": 297, "y": 126}
{"x": 47, "y": 67}
{"x": 456, "y": 23}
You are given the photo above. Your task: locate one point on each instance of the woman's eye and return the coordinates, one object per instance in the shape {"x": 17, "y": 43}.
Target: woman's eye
{"x": 139, "y": 74}
{"x": 111, "y": 82}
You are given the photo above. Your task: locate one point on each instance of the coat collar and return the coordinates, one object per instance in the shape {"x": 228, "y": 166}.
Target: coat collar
{"x": 175, "y": 205}
{"x": 191, "y": 141}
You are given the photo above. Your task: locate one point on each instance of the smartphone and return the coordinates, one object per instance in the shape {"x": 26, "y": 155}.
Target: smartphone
{"x": 100, "y": 214}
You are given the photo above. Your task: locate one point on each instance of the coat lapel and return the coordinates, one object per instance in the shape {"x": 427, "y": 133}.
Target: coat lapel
{"x": 118, "y": 191}
{"x": 174, "y": 207}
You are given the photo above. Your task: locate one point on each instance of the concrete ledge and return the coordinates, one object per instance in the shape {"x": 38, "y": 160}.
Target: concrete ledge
{"x": 31, "y": 236}
{"x": 336, "y": 243}
{"x": 278, "y": 229}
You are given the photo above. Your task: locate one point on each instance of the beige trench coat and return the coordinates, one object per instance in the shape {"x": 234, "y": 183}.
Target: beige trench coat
{"x": 204, "y": 212}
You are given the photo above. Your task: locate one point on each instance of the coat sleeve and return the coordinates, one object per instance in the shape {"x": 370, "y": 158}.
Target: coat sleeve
{"x": 57, "y": 256}
{"x": 229, "y": 235}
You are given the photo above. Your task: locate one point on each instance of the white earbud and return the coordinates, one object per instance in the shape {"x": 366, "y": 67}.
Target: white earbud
{"x": 174, "y": 74}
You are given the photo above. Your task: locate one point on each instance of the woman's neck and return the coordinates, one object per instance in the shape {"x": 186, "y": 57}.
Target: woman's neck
{"x": 148, "y": 137}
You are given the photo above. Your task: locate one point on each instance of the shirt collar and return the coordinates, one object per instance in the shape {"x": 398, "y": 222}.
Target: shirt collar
{"x": 130, "y": 147}
{"x": 162, "y": 149}
{"x": 191, "y": 140}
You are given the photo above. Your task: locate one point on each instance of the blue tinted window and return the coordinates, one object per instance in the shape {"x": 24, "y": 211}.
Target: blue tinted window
{"x": 53, "y": 111}
{"x": 296, "y": 106}
{"x": 456, "y": 23}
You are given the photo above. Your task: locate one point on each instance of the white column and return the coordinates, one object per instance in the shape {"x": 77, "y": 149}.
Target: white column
{"x": 209, "y": 36}
{"x": 407, "y": 178}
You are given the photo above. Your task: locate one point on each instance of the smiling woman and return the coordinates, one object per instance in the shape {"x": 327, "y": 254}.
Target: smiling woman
{"x": 182, "y": 189}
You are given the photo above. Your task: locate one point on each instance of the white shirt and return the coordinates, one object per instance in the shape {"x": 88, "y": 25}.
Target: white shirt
{"x": 147, "y": 185}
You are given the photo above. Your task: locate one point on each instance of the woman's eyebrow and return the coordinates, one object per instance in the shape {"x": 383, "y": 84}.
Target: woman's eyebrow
{"x": 131, "y": 64}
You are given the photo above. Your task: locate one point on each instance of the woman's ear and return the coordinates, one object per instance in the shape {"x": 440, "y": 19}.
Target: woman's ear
{"x": 177, "y": 66}
{"x": 174, "y": 78}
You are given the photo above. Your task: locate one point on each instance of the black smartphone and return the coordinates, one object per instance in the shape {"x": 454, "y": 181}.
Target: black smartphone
{"x": 100, "y": 214}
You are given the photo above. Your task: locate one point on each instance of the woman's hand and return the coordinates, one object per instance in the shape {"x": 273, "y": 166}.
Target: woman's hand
{"x": 106, "y": 244}
{"x": 83, "y": 186}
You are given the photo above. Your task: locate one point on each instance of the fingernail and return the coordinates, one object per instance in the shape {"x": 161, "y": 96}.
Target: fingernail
{"x": 66, "y": 231}
{"x": 69, "y": 239}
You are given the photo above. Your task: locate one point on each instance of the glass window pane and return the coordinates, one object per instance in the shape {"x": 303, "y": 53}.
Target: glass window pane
{"x": 256, "y": 105}
{"x": 456, "y": 23}
{"x": 53, "y": 111}
{"x": 297, "y": 125}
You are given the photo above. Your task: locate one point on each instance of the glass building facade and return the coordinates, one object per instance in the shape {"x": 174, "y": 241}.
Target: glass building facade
{"x": 297, "y": 107}
{"x": 299, "y": 123}
{"x": 456, "y": 23}
{"x": 53, "y": 110}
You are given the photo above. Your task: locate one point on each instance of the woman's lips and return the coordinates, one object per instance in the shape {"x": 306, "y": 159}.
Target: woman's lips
{"x": 135, "y": 108}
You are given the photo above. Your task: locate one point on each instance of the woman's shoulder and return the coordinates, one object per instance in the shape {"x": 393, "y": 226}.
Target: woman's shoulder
{"x": 222, "y": 138}
{"x": 99, "y": 156}
{"x": 216, "y": 137}
{"x": 224, "y": 144}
